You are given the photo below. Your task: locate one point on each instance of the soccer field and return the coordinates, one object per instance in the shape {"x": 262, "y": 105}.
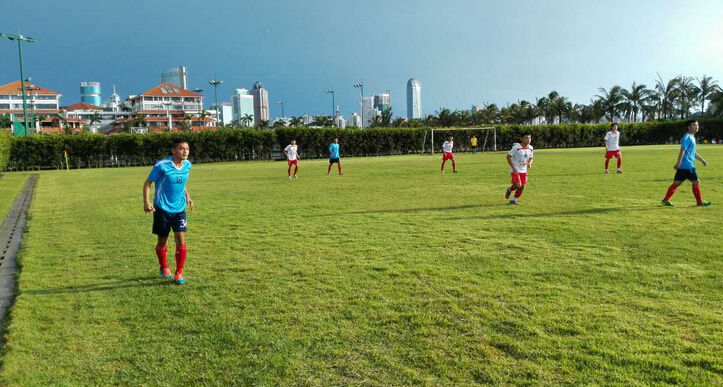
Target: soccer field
{"x": 392, "y": 274}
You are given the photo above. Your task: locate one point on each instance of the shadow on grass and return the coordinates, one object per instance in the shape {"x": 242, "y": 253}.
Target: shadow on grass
{"x": 588, "y": 211}
{"x": 412, "y": 210}
{"x": 140, "y": 282}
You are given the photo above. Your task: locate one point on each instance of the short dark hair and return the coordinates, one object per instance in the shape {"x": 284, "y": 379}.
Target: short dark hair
{"x": 688, "y": 123}
{"x": 613, "y": 124}
{"x": 526, "y": 133}
{"x": 179, "y": 140}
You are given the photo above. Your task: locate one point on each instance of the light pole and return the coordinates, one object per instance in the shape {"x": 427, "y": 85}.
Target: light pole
{"x": 215, "y": 83}
{"x": 333, "y": 102}
{"x": 283, "y": 116}
{"x": 361, "y": 86}
{"x": 19, "y": 39}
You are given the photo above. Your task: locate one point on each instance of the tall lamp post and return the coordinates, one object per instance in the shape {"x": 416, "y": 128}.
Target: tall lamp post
{"x": 20, "y": 38}
{"x": 361, "y": 86}
{"x": 333, "y": 102}
{"x": 283, "y": 116}
{"x": 215, "y": 83}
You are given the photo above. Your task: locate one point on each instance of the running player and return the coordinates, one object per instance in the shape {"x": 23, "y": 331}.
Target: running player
{"x": 169, "y": 205}
{"x": 519, "y": 158}
{"x": 447, "y": 153}
{"x": 334, "y": 156}
{"x": 473, "y": 143}
{"x": 292, "y": 157}
{"x": 612, "y": 147}
{"x": 685, "y": 165}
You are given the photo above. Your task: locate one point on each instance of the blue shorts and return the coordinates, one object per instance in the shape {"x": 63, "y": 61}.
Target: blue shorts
{"x": 334, "y": 160}
{"x": 163, "y": 222}
{"x": 686, "y": 174}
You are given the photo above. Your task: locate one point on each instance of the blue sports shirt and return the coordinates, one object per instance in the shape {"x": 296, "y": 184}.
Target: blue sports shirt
{"x": 688, "y": 143}
{"x": 170, "y": 185}
{"x": 334, "y": 149}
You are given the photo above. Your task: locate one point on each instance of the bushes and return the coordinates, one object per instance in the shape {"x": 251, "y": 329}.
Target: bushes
{"x": 5, "y": 141}
{"x": 95, "y": 150}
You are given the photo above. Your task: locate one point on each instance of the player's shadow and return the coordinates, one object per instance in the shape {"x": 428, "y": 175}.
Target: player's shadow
{"x": 418, "y": 209}
{"x": 588, "y": 211}
{"x": 140, "y": 282}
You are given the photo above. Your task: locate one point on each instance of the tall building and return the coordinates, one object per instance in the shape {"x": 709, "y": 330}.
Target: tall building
{"x": 370, "y": 112}
{"x": 114, "y": 101}
{"x": 355, "y": 120}
{"x": 90, "y": 93}
{"x": 414, "y": 98}
{"x": 176, "y": 76}
{"x": 339, "y": 121}
{"x": 383, "y": 102}
{"x": 261, "y": 103}
{"x": 243, "y": 104}
{"x": 226, "y": 113}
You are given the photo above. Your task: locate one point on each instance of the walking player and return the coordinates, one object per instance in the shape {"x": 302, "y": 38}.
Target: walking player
{"x": 519, "y": 158}
{"x": 334, "y": 156}
{"x": 612, "y": 147}
{"x": 169, "y": 205}
{"x": 685, "y": 166}
{"x": 292, "y": 157}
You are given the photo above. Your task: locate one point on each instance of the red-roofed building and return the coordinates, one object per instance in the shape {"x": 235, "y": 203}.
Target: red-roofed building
{"x": 41, "y": 103}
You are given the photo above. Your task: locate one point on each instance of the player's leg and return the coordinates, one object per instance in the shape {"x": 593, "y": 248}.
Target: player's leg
{"x": 328, "y": 170}
{"x": 162, "y": 227}
{"x": 296, "y": 169}
{"x": 444, "y": 160}
{"x": 289, "y": 171}
{"x": 338, "y": 166}
{"x": 698, "y": 195}
{"x": 619, "y": 157}
{"x": 179, "y": 234}
{"x": 671, "y": 191}
{"x": 454, "y": 165}
{"x": 607, "y": 161}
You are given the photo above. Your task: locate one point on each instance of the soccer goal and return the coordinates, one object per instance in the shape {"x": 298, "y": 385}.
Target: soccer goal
{"x": 486, "y": 138}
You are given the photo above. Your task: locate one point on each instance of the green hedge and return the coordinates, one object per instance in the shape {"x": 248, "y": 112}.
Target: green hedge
{"x": 94, "y": 150}
{"x": 5, "y": 142}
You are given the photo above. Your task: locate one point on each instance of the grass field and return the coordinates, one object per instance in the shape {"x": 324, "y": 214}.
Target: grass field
{"x": 392, "y": 274}
{"x": 10, "y": 185}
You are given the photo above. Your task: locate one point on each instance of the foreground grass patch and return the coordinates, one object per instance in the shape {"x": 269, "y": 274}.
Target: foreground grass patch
{"x": 392, "y": 274}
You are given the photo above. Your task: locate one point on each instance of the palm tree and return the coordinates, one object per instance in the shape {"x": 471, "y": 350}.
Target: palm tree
{"x": 398, "y": 122}
{"x": 263, "y": 124}
{"x": 139, "y": 120}
{"x": 95, "y": 118}
{"x": 323, "y": 121}
{"x": 445, "y": 117}
{"x": 666, "y": 92}
{"x": 707, "y": 87}
{"x": 686, "y": 94}
{"x": 597, "y": 108}
{"x": 612, "y": 100}
{"x": 386, "y": 118}
{"x": 246, "y": 120}
{"x": 635, "y": 98}
{"x": 202, "y": 116}
{"x": 186, "y": 125}
{"x": 5, "y": 121}
{"x": 296, "y": 121}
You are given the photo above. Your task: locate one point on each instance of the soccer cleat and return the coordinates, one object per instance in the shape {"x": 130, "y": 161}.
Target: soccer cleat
{"x": 620, "y": 170}
{"x": 456, "y": 171}
{"x": 514, "y": 202}
{"x": 508, "y": 193}
{"x": 704, "y": 204}
{"x": 289, "y": 177}
{"x": 179, "y": 280}
{"x": 667, "y": 203}
{"x": 296, "y": 177}
{"x": 606, "y": 171}
{"x": 166, "y": 274}
{"x": 442, "y": 171}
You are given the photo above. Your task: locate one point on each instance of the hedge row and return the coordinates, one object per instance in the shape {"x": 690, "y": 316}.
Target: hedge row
{"x": 94, "y": 150}
{"x": 5, "y": 141}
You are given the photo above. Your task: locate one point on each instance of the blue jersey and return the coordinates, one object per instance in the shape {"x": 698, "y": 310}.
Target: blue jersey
{"x": 170, "y": 185}
{"x": 334, "y": 149}
{"x": 688, "y": 143}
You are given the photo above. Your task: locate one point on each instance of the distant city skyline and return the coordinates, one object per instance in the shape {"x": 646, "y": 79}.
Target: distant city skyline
{"x": 477, "y": 51}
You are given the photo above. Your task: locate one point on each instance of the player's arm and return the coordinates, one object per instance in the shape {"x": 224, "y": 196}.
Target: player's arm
{"x": 509, "y": 161}
{"x": 147, "y": 204}
{"x": 529, "y": 162}
{"x": 701, "y": 159}
{"x": 285, "y": 154}
{"x": 189, "y": 201}
{"x": 680, "y": 158}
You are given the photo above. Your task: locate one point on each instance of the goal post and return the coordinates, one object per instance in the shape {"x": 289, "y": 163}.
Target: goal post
{"x": 486, "y": 137}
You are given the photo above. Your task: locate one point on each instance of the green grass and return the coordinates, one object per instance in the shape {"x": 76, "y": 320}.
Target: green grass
{"x": 392, "y": 274}
{"x": 10, "y": 185}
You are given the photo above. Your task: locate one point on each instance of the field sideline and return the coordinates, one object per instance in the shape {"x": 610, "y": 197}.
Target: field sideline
{"x": 393, "y": 274}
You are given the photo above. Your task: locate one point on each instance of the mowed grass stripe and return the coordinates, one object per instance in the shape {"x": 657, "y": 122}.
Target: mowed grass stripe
{"x": 393, "y": 274}
{"x": 10, "y": 185}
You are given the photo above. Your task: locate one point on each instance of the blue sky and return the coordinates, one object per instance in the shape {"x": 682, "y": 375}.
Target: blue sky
{"x": 464, "y": 52}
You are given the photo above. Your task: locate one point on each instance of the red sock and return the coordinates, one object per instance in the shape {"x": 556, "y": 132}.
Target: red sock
{"x": 620, "y": 162}
{"x": 296, "y": 169}
{"x": 697, "y": 194}
{"x": 607, "y": 162}
{"x": 518, "y": 193}
{"x": 161, "y": 254}
{"x": 512, "y": 188}
{"x": 289, "y": 171}
{"x": 671, "y": 191}
{"x": 180, "y": 258}
{"x": 454, "y": 166}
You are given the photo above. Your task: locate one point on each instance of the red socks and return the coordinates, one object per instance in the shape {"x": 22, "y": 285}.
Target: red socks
{"x": 296, "y": 169}
{"x": 339, "y": 168}
{"x": 180, "y": 258}
{"x": 671, "y": 191}
{"x": 697, "y": 194}
{"x": 161, "y": 254}
{"x": 518, "y": 193}
{"x": 607, "y": 162}
{"x": 620, "y": 162}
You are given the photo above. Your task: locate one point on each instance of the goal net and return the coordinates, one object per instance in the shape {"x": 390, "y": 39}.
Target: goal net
{"x": 486, "y": 139}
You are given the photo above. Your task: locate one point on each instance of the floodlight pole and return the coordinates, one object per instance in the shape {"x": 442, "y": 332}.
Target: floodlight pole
{"x": 333, "y": 102}
{"x": 215, "y": 83}
{"x": 20, "y": 38}
{"x": 283, "y": 115}
{"x": 361, "y": 86}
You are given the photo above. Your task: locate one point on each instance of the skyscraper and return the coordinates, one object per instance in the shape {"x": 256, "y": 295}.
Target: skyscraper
{"x": 176, "y": 76}
{"x": 90, "y": 93}
{"x": 414, "y": 99}
{"x": 370, "y": 112}
{"x": 243, "y": 104}
{"x": 383, "y": 102}
{"x": 261, "y": 103}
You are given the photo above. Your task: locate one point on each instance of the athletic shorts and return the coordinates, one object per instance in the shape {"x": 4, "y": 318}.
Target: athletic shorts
{"x": 163, "y": 222}
{"x": 611, "y": 154}
{"x": 519, "y": 178}
{"x": 474, "y": 146}
{"x": 335, "y": 160}
{"x": 686, "y": 174}
{"x": 293, "y": 162}
{"x": 447, "y": 156}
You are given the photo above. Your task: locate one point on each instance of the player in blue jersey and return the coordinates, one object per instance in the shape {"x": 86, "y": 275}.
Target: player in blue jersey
{"x": 334, "y": 156}
{"x": 169, "y": 205}
{"x": 685, "y": 166}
